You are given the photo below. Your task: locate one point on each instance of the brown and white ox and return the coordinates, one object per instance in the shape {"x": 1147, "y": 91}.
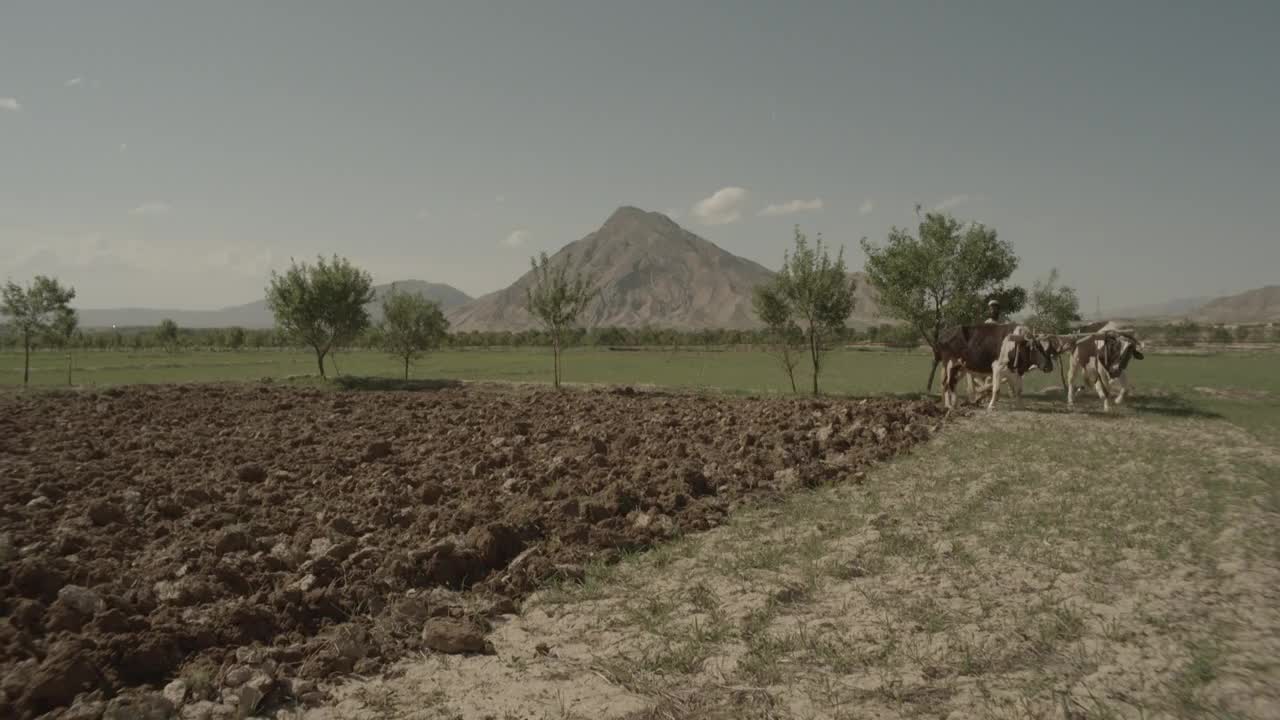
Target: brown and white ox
{"x": 1102, "y": 359}
{"x": 1002, "y": 351}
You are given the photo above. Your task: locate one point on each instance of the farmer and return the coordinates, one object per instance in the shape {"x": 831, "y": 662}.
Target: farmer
{"x": 993, "y": 311}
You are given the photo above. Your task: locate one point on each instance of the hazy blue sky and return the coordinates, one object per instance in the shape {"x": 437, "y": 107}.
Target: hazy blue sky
{"x": 171, "y": 153}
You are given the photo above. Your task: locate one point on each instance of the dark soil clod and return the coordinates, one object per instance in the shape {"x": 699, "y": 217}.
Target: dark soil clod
{"x": 148, "y": 556}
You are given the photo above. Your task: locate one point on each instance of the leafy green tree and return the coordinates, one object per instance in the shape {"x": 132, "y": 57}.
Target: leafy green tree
{"x": 66, "y": 328}
{"x": 943, "y": 276}
{"x": 167, "y": 334}
{"x": 902, "y": 336}
{"x": 1182, "y": 334}
{"x": 1053, "y": 307}
{"x": 411, "y": 325}
{"x": 235, "y": 338}
{"x": 322, "y": 305}
{"x": 1220, "y": 335}
{"x": 557, "y": 300}
{"x": 1243, "y": 334}
{"x": 41, "y": 310}
{"x": 816, "y": 293}
{"x": 786, "y": 337}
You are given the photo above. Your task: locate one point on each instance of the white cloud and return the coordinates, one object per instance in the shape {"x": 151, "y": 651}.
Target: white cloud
{"x": 516, "y": 239}
{"x": 866, "y": 207}
{"x": 123, "y": 147}
{"x": 151, "y": 209}
{"x": 74, "y": 81}
{"x": 794, "y": 206}
{"x": 8, "y": 103}
{"x": 672, "y": 213}
{"x": 953, "y": 201}
{"x": 722, "y": 208}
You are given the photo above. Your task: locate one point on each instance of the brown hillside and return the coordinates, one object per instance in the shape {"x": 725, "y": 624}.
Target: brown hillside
{"x": 1253, "y": 306}
{"x": 650, "y": 271}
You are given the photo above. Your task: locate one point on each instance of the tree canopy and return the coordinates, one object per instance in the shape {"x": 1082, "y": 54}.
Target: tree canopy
{"x": 411, "y": 325}
{"x": 1053, "y": 307}
{"x": 42, "y": 309}
{"x": 167, "y": 334}
{"x": 812, "y": 292}
{"x": 321, "y": 305}
{"x": 943, "y": 275}
{"x": 557, "y": 299}
{"x": 785, "y": 333}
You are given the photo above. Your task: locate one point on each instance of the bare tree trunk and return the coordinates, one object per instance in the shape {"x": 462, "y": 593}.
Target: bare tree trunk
{"x": 813, "y": 355}
{"x": 320, "y": 362}
{"x": 70, "y": 357}
{"x": 555, "y": 359}
{"x": 406, "y": 368}
{"x": 790, "y": 364}
{"x": 26, "y": 362}
{"x": 937, "y": 360}
{"x": 336, "y": 370}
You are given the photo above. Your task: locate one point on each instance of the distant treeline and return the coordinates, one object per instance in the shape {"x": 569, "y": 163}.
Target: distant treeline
{"x": 1184, "y": 334}
{"x": 146, "y": 338}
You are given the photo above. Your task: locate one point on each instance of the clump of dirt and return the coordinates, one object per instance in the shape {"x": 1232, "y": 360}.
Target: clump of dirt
{"x": 249, "y": 540}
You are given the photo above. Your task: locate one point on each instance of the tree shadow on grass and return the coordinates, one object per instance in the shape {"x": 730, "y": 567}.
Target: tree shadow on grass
{"x": 384, "y": 384}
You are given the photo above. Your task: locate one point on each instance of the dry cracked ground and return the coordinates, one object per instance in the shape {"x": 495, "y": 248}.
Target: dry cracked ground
{"x": 1021, "y": 565}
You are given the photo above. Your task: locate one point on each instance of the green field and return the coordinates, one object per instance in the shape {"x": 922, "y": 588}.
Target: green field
{"x": 1243, "y": 387}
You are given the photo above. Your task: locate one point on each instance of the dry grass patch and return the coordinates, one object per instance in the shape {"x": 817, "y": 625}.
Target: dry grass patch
{"x": 1024, "y": 565}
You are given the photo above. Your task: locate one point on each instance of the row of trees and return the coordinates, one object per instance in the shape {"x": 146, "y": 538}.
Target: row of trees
{"x": 324, "y": 306}
{"x": 321, "y": 305}
{"x": 939, "y": 277}
{"x": 934, "y": 279}
{"x": 149, "y": 338}
{"x": 145, "y": 338}
{"x": 894, "y": 335}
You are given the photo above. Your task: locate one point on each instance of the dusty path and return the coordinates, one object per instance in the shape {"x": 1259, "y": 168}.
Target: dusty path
{"x": 1023, "y": 565}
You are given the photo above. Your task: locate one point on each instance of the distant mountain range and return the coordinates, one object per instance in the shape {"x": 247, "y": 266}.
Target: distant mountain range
{"x": 1180, "y": 307}
{"x": 254, "y": 314}
{"x": 1260, "y": 305}
{"x": 1253, "y": 306}
{"x": 648, "y": 271}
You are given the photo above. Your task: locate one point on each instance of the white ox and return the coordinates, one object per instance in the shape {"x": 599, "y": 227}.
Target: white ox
{"x": 1102, "y": 359}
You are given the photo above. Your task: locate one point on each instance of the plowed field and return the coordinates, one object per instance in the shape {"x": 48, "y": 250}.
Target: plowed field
{"x": 234, "y": 535}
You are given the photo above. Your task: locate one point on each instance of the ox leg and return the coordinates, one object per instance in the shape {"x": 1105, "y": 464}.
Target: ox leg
{"x": 946, "y": 385}
{"x": 1015, "y": 388}
{"x": 1123, "y": 381}
{"x": 982, "y": 385}
{"x": 995, "y": 385}
{"x": 953, "y": 380}
{"x": 1071, "y": 384}
{"x": 1104, "y": 391}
